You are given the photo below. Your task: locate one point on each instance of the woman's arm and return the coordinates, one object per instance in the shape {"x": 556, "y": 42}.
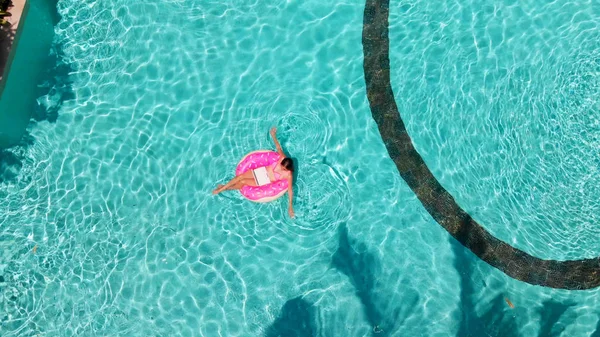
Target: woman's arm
{"x": 273, "y": 134}
{"x": 290, "y": 197}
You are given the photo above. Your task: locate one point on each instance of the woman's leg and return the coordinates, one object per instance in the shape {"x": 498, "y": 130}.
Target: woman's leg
{"x": 221, "y": 188}
{"x": 242, "y": 183}
{"x": 237, "y": 183}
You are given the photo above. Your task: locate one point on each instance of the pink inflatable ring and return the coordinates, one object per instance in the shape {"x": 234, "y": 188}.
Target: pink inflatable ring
{"x": 265, "y": 193}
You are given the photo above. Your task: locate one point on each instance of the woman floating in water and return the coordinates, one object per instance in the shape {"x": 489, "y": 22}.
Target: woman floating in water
{"x": 266, "y": 182}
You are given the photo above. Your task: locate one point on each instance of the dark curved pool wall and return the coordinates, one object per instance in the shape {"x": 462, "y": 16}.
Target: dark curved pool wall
{"x": 577, "y": 274}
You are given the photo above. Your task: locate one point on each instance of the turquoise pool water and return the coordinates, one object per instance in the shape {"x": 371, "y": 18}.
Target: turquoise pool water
{"x": 110, "y": 228}
{"x": 502, "y": 102}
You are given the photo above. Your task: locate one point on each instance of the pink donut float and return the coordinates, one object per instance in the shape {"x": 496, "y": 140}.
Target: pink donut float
{"x": 265, "y": 193}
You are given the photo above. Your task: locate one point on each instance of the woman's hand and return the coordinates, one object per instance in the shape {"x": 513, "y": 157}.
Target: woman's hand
{"x": 277, "y": 145}
{"x": 291, "y": 211}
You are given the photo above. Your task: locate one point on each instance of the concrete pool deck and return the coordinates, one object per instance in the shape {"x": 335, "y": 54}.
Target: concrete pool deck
{"x": 9, "y": 36}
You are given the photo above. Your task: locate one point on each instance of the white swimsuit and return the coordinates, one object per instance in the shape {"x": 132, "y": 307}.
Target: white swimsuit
{"x": 261, "y": 176}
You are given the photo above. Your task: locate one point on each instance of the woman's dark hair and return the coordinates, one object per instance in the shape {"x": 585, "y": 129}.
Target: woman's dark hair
{"x": 288, "y": 164}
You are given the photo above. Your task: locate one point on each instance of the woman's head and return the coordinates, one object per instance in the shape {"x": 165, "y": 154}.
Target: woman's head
{"x": 287, "y": 164}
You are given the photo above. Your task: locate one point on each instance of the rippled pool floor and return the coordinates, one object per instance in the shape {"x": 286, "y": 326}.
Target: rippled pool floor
{"x": 110, "y": 227}
{"x": 502, "y": 102}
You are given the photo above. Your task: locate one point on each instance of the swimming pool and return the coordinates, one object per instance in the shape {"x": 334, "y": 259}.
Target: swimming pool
{"x": 110, "y": 228}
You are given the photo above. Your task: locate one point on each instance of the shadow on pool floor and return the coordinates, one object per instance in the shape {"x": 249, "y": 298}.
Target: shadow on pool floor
{"x": 11, "y": 159}
{"x": 596, "y": 333}
{"x": 494, "y": 318}
{"x": 497, "y": 318}
{"x": 297, "y": 319}
{"x": 385, "y": 314}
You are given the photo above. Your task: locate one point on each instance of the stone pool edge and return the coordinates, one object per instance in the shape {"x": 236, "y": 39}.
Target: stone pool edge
{"x": 572, "y": 275}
